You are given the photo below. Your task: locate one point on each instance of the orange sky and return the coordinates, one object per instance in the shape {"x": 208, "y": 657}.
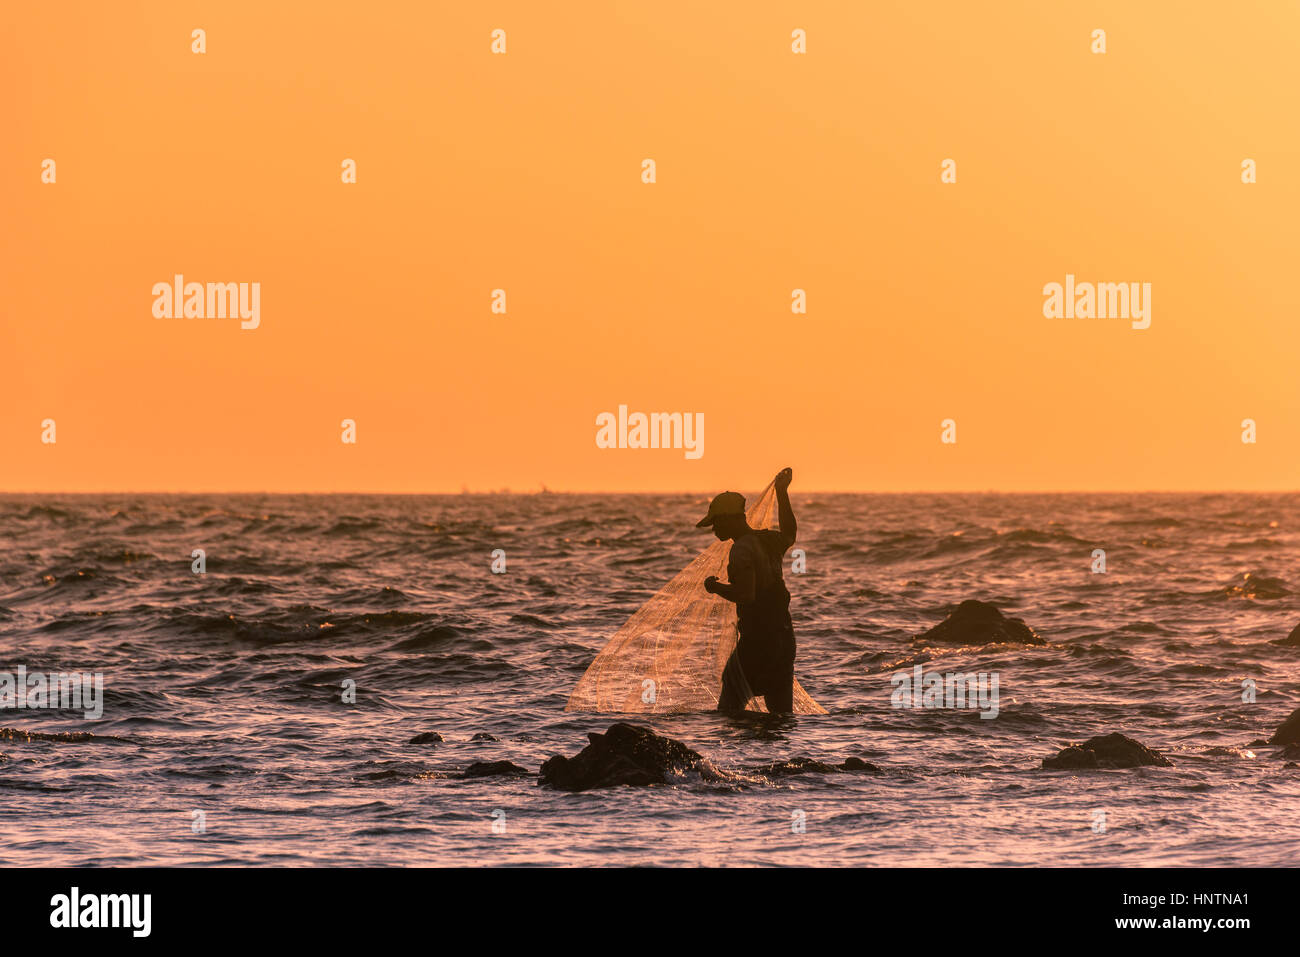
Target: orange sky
{"x": 775, "y": 171}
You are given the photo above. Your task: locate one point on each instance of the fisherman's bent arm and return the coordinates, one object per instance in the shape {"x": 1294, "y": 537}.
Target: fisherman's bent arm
{"x": 740, "y": 590}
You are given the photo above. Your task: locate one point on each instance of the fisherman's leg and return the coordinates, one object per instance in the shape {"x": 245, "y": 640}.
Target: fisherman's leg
{"x": 780, "y": 683}
{"x": 735, "y": 693}
{"x": 780, "y": 692}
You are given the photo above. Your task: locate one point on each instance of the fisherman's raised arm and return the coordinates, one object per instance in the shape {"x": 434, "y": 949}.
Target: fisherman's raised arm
{"x": 785, "y": 514}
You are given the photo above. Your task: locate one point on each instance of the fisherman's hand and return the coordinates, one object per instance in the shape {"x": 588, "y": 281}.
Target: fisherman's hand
{"x": 711, "y": 584}
{"x": 782, "y": 480}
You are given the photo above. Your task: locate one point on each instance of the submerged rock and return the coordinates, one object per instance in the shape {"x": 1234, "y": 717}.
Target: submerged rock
{"x": 70, "y": 737}
{"x": 487, "y": 769}
{"x": 980, "y": 623}
{"x": 1106, "y": 751}
{"x": 1227, "y": 752}
{"x": 484, "y": 736}
{"x": 1289, "y": 731}
{"x": 625, "y": 754}
{"x": 428, "y": 737}
{"x": 796, "y": 765}
{"x": 802, "y": 765}
{"x": 1250, "y": 585}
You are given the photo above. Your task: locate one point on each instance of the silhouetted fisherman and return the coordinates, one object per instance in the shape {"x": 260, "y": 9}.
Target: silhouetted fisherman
{"x": 765, "y": 651}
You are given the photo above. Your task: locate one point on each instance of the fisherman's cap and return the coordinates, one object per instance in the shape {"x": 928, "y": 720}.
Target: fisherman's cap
{"x": 726, "y": 503}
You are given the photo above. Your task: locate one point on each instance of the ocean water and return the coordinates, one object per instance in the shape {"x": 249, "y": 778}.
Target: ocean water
{"x": 224, "y": 691}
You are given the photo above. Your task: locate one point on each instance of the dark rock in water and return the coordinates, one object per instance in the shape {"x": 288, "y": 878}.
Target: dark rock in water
{"x": 980, "y": 623}
{"x": 625, "y": 754}
{"x": 1291, "y": 641}
{"x": 484, "y": 736}
{"x": 1289, "y": 732}
{"x": 802, "y": 765}
{"x": 429, "y": 737}
{"x": 857, "y": 764}
{"x": 1258, "y": 743}
{"x": 1106, "y": 751}
{"x": 487, "y": 769}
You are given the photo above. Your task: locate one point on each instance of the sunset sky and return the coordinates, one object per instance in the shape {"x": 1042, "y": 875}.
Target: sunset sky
{"x": 775, "y": 171}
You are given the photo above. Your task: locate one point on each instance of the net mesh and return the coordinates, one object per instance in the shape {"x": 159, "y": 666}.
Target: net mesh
{"x": 681, "y": 640}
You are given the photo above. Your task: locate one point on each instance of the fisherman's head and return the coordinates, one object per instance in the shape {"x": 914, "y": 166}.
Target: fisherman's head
{"x": 726, "y": 516}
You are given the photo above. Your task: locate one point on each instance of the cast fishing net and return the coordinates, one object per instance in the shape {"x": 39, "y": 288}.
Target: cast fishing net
{"x": 672, "y": 654}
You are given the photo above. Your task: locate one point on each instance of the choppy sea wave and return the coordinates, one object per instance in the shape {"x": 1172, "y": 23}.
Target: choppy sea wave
{"x": 223, "y": 691}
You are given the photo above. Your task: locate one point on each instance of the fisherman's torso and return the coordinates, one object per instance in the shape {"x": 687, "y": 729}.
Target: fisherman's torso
{"x": 766, "y": 619}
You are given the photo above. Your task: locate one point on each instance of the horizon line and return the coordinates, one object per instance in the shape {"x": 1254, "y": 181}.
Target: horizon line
{"x": 549, "y": 491}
